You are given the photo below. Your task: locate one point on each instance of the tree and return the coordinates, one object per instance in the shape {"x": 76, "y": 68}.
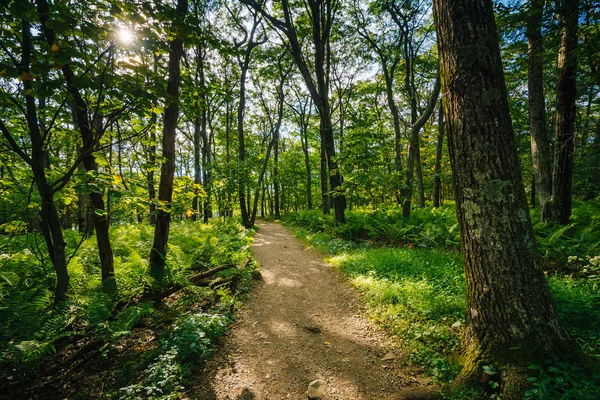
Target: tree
{"x": 50, "y": 221}
{"x": 511, "y": 318}
{"x": 387, "y": 47}
{"x": 437, "y": 181}
{"x": 158, "y": 253}
{"x": 251, "y": 42}
{"x": 302, "y": 108}
{"x": 321, "y": 15}
{"x": 88, "y": 135}
{"x": 540, "y": 147}
{"x": 566, "y": 97}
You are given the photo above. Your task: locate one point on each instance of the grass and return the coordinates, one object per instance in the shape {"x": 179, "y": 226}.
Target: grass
{"x": 413, "y": 285}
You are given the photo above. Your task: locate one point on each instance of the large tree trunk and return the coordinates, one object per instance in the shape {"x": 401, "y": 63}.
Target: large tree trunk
{"x": 511, "y": 319}
{"x": 158, "y": 254}
{"x": 439, "y": 146}
{"x": 566, "y": 95}
{"x": 540, "y": 147}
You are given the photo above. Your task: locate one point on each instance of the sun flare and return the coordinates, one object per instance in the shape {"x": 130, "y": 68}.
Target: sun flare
{"x": 126, "y": 35}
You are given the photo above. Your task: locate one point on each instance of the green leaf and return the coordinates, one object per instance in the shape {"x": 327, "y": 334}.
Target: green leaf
{"x": 100, "y": 212}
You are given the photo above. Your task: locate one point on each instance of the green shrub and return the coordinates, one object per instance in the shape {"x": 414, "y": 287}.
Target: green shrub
{"x": 30, "y": 327}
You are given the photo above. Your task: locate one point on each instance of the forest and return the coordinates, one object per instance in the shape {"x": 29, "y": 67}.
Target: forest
{"x": 444, "y": 156}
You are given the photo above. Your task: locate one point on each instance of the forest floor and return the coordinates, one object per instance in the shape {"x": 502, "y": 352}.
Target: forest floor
{"x": 303, "y": 323}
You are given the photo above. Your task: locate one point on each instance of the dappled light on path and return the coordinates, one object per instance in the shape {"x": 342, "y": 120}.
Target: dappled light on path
{"x": 303, "y": 323}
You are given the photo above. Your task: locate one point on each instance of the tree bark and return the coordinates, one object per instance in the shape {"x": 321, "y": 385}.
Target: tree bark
{"x": 88, "y": 136}
{"x": 566, "y": 96}
{"x": 439, "y": 146}
{"x": 197, "y": 162}
{"x": 158, "y": 253}
{"x": 511, "y": 319}
{"x": 325, "y": 198}
{"x": 50, "y": 221}
{"x": 413, "y": 147}
{"x": 540, "y": 147}
{"x": 150, "y": 177}
{"x": 304, "y": 141}
{"x": 243, "y": 188}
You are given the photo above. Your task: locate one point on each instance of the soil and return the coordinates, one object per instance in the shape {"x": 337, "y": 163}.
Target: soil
{"x": 302, "y": 323}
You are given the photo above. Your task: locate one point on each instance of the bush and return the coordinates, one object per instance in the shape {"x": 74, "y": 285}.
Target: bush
{"x": 187, "y": 323}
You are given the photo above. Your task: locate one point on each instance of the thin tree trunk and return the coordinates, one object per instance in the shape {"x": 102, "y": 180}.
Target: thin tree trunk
{"x": 413, "y": 148}
{"x": 566, "y": 96}
{"x": 304, "y": 142}
{"x": 540, "y": 147}
{"x": 511, "y": 320}
{"x": 389, "y": 86}
{"x": 206, "y": 139}
{"x": 50, "y": 221}
{"x": 437, "y": 182}
{"x": 420, "y": 188}
{"x": 197, "y": 159}
{"x": 158, "y": 254}
{"x": 100, "y": 216}
{"x": 260, "y": 181}
{"x": 325, "y": 198}
{"x": 276, "y": 175}
{"x": 152, "y": 162}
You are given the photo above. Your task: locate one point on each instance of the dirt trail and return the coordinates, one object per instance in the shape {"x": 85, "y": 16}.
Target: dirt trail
{"x": 304, "y": 322}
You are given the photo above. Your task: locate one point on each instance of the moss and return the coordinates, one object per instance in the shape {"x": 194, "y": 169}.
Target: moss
{"x": 494, "y": 190}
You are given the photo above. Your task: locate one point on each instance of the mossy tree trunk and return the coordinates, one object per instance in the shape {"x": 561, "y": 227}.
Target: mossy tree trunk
{"x": 511, "y": 319}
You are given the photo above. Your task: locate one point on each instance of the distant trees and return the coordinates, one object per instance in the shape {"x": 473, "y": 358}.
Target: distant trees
{"x": 321, "y": 16}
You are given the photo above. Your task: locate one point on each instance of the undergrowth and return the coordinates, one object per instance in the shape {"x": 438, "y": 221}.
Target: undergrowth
{"x": 412, "y": 280}
{"x": 145, "y": 350}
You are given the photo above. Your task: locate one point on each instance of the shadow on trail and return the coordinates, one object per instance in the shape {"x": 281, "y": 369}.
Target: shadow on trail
{"x": 302, "y": 323}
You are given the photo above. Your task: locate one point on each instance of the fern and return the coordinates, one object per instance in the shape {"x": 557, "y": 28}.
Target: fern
{"x": 126, "y": 319}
